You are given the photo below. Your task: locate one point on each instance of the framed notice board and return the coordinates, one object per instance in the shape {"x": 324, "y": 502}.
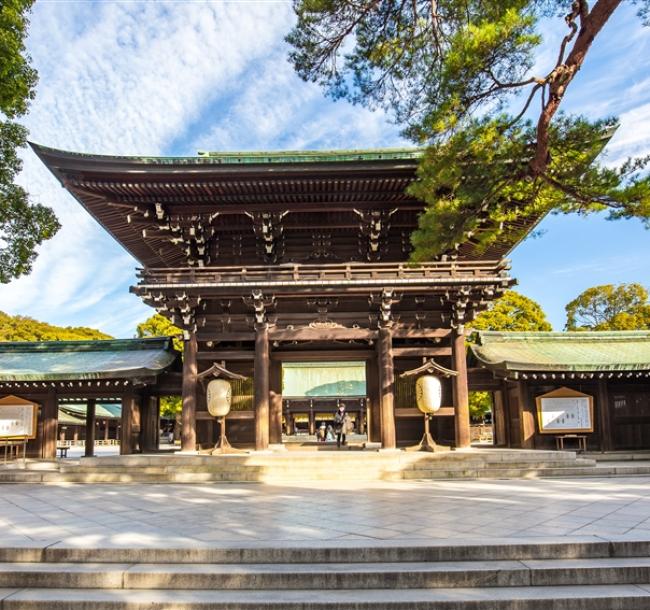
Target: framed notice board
{"x": 18, "y": 418}
{"x": 565, "y": 411}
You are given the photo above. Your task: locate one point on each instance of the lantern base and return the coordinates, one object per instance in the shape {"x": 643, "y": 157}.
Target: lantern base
{"x": 427, "y": 443}
{"x": 223, "y": 446}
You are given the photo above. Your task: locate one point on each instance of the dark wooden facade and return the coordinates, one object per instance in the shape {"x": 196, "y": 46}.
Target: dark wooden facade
{"x": 263, "y": 258}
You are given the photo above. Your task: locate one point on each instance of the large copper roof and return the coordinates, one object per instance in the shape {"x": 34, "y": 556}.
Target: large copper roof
{"x": 316, "y": 195}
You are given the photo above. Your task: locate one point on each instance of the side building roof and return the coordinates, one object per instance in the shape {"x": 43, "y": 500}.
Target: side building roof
{"x": 85, "y": 360}
{"x": 527, "y": 354}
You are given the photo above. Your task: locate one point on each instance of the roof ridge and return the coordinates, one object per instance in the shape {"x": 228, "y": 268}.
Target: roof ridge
{"x": 86, "y": 345}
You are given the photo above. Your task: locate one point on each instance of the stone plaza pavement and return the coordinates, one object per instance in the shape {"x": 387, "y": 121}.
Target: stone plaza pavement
{"x": 326, "y": 513}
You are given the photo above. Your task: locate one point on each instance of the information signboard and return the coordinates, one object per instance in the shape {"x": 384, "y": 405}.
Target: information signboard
{"x": 565, "y": 411}
{"x": 18, "y": 420}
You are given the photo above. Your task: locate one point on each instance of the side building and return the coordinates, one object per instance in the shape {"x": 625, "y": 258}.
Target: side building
{"x": 610, "y": 371}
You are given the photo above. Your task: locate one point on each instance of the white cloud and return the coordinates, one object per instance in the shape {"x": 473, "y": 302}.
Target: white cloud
{"x": 139, "y": 77}
{"x": 275, "y": 109}
{"x": 120, "y": 78}
{"x": 631, "y": 139}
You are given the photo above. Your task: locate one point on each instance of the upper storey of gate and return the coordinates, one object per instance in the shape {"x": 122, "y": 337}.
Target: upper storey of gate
{"x": 253, "y": 208}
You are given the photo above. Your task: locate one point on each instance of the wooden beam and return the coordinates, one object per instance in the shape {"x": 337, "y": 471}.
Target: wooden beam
{"x": 604, "y": 419}
{"x": 386, "y": 387}
{"x": 460, "y": 390}
{"x": 275, "y": 402}
{"x": 226, "y": 355}
{"x": 408, "y": 352}
{"x": 322, "y": 334}
{"x": 188, "y": 415}
{"x": 203, "y": 336}
{"x": 126, "y": 431}
{"x": 374, "y": 401}
{"x": 420, "y": 333}
{"x": 50, "y": 414}
{"x": 150, "y": 407}
{"x": 526, "y": 415}
{"x": 322, "y": 355}
{"x": 261, "y": 387}
{"x": 90, "y": 428}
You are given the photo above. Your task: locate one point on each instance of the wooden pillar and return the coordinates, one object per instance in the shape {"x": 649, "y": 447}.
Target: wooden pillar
{"x": 275, "y": 402}
{"x": 126, "y": 427}
{"x": 526, "y": 417}
{"x": 460, "y": 388}
{"x": 499, "y": 419}
{"x": 188, "y": 416}
{"x": 604, "y": 419}
{"x": 386, "y": 387}
{"x": 50, "y": 414}
{"x": 106, "y": 431}
{"x": 150, "y": 423}
{"x": 90, "y": 428}
{"x": 261, "y": 386}
{"x": 374, "y": 401}
{"x": 312, "y": 421}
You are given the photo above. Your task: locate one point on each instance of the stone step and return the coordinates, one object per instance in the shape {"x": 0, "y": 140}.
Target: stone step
{"x": 251, "y": 476}
{"x": 599, "y": 597}
{"x": 217, "y": 466}
{"x": 402, "y": 458}
{"x": 344, "y": 552}
{"x": 282, "y": 576}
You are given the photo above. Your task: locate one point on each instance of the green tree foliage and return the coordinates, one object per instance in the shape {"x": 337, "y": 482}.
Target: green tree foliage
{"x": 159, "y": 326}
{"x": 480, "y": 404}
{"x": 23, "y": 225}
{"x": 512, "y": 312}
{"x": 446, "y": 70}
{"x": 609, "y": 307}
{"x": 21, "y": 328}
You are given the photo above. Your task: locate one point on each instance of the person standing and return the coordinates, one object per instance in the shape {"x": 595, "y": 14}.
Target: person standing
{"x": 340, "y": 424}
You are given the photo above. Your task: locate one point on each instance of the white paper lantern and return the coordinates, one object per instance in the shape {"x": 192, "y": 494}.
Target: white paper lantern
{"x": 219, "y": 397}
{"x": 428, "y": 393}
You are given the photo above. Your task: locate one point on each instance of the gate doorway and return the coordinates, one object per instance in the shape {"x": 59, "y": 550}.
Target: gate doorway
{"x": 312, "y": 393}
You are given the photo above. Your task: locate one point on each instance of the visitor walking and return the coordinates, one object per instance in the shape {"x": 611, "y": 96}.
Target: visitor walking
{"x": 340, "y": 424}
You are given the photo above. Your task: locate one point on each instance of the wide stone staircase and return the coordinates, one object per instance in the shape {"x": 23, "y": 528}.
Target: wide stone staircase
{"x": 292, "y": 466}
{"x": 594, "y": 575}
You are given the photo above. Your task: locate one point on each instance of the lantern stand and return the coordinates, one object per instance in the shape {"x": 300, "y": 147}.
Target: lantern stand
{"x": 222, "y": 446}
{"x": 428, "y": 367}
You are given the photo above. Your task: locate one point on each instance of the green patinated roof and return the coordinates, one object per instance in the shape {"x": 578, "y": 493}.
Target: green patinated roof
{"x": 564, "y": 352}
{"x": 76, "y": 360}
{"x": 70, "y": 420}
{"x": 313, "y": 156}
{"x": 253, "y": 157}
{"x": 102, "y": 411}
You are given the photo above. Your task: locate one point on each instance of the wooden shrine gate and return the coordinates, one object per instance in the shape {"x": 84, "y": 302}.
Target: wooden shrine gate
{"x": 267, "y": 257}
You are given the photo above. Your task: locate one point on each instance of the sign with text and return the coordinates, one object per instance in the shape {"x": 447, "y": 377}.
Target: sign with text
{"x": 565, "y": 411}
{"x": 18, "y": 419}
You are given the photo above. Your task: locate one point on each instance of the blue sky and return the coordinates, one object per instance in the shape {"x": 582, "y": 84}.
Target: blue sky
{"x": 160, "y": 78}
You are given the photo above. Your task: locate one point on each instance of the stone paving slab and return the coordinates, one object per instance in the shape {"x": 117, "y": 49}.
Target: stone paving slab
{"x": 324, "y": 513}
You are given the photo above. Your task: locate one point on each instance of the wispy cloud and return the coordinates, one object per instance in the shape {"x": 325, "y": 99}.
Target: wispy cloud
{"x": 173, "y": 77}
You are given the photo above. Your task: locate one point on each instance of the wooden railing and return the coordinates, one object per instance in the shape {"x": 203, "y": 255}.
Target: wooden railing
{"x": 330, "y": 273}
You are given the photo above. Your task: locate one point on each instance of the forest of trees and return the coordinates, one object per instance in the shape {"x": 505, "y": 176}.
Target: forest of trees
{"x": 22, "y": 328}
